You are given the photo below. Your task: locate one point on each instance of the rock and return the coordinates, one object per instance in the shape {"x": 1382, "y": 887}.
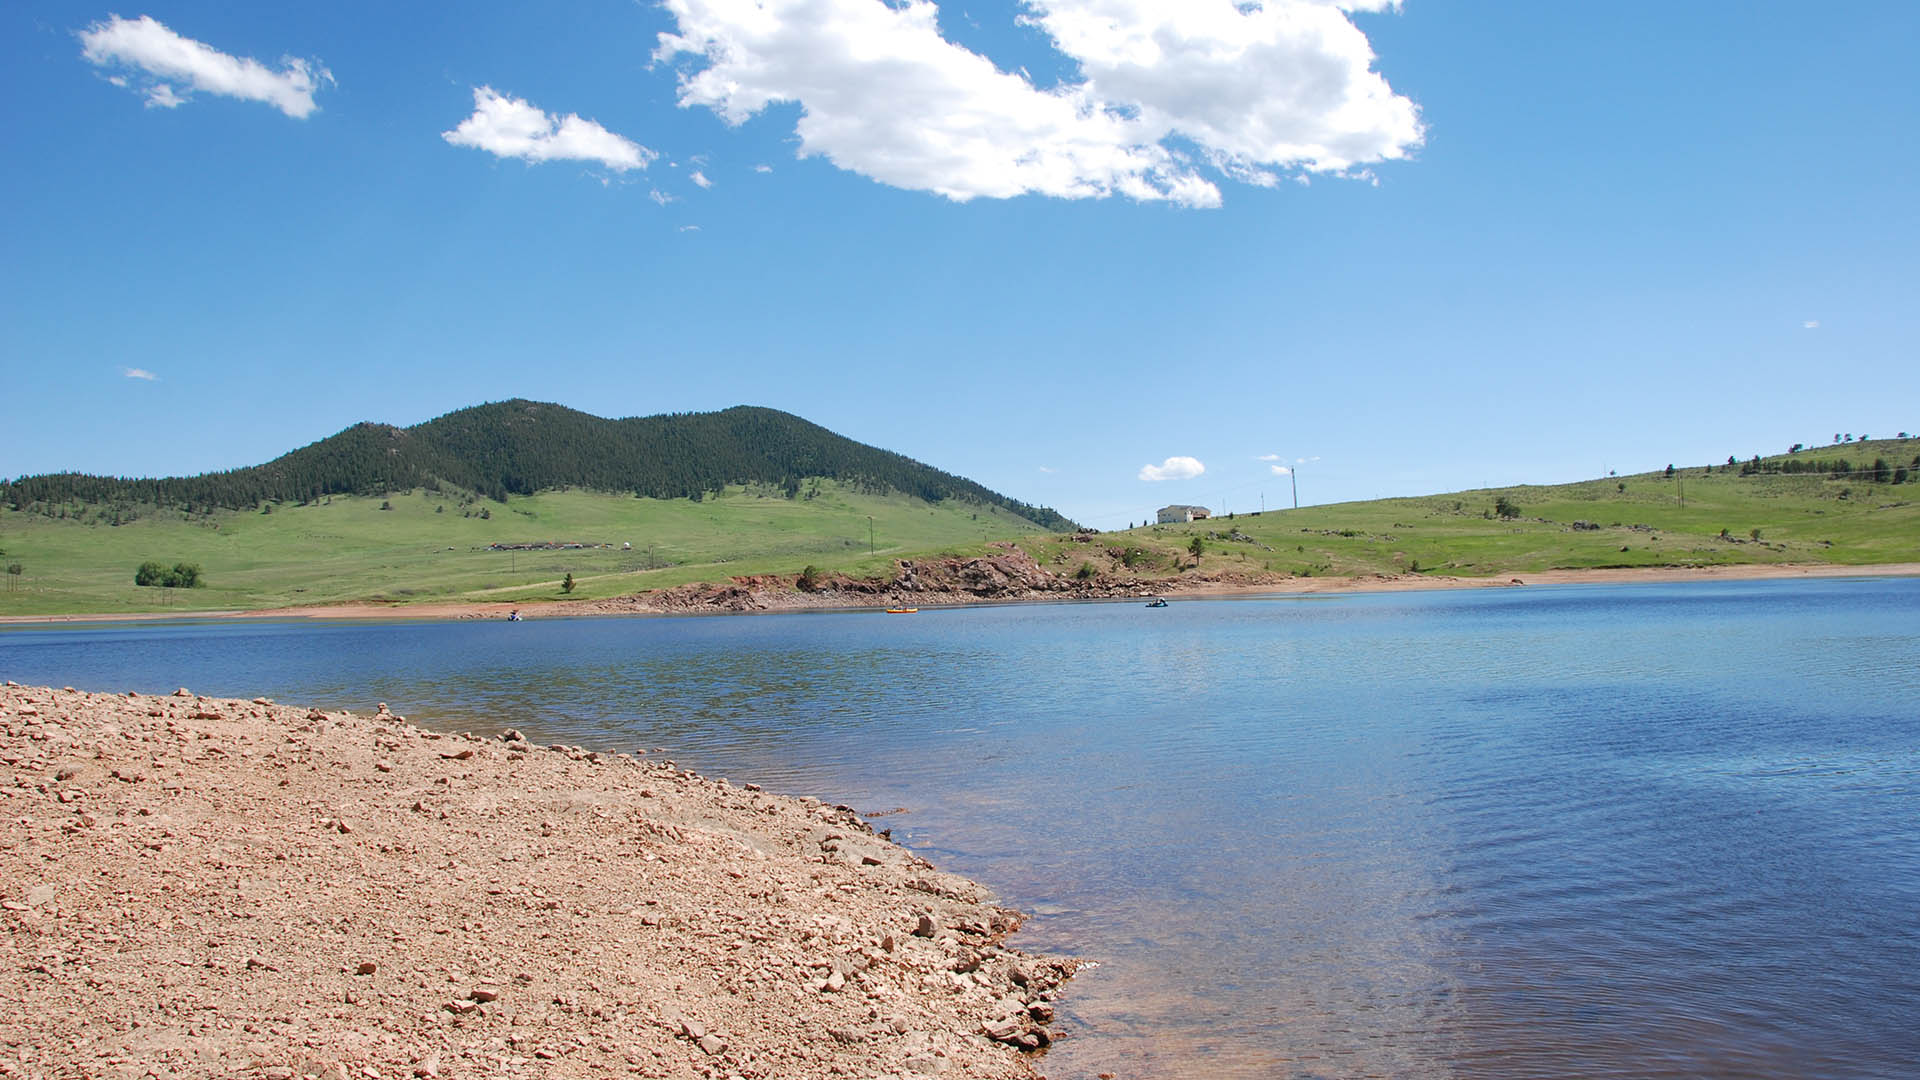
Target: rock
{"x": 183, "y": 692}
{"x": 366, "y": 967}
{"x": 711, "y": 1044}
{"x": 459, "y": 755}
{"x": 693, "y": 1029}
{"x": 40, "y": 896}
{"x": 1005, "y": 1029}
{"x": 484, "y": 994}
{"x": 1041, "y": 1012}
{"x": 512, "y": 735}
{"x": 925, "y": 927}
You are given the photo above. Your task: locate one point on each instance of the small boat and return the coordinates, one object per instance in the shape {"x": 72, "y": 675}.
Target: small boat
{"x": 903, "y": 611}
{"x": 1158, "y": 601}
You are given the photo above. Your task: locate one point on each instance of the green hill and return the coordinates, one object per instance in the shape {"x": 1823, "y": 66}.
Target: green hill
{"x": 1854, "y": 504}
{"x": 524, "y": 447}
{"x": 425, "y": 546}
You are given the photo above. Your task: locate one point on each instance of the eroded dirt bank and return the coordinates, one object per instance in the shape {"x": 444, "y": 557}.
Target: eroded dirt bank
{"x": 196, "y": 887}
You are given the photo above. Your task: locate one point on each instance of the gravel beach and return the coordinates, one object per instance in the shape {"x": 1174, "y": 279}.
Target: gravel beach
{"x": 195, "y": 887}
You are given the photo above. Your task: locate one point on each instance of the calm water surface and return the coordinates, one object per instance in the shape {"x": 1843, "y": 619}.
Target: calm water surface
{"x": 1633, "y": 831}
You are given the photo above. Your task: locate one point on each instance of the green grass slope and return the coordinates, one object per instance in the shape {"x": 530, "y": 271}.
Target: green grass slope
{"x": 433, "y": 546}
{"x": 436, "y": 547}
{"x": 1696, "y": 517}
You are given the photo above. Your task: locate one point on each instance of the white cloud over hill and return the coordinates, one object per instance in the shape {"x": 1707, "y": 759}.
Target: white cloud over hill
{"x": 1170, "y": 95}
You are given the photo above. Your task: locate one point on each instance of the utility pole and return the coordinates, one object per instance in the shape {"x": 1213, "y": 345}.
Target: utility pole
{"x": 1293, "y": 475}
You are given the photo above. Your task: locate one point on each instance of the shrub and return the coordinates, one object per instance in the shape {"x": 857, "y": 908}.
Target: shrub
{"x": 567, "y": 585}
{"x": 809, "y": 578}
{"x": 179, "y": 576}
{"x": 1505, "y": 507}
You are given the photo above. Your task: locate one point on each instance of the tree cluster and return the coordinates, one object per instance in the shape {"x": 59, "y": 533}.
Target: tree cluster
{"x": 180, "y": 575}
{"x": 1879, "y": 472}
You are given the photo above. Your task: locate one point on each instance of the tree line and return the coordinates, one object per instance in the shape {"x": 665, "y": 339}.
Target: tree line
{"x": 520, "y": 447}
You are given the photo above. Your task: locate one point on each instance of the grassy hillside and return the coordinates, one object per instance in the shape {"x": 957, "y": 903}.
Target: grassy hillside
{"x": 1696, "y": 517}
{"x": 433, "y": 546}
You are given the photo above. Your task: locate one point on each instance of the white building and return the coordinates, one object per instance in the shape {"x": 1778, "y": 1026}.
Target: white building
{"x": 1170, "y": 515}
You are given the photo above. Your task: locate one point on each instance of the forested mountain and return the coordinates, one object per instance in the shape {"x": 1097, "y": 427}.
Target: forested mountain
{"x": 520, "y": 447}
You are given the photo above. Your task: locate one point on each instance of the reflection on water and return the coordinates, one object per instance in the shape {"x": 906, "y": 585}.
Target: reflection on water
{"x": 1625, "y": 831}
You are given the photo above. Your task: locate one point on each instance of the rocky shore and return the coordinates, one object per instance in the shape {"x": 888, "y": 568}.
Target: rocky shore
{"x": 193, "y": 887}
{"x": 1009, "y": 573}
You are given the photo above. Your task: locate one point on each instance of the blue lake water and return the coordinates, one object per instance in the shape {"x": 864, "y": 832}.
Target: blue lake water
{"x": 1633, "y": 831}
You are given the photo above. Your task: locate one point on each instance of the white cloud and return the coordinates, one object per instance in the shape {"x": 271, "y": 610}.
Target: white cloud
{"x": 1252, "y": 87}
{"x": 1281, "y": 470}
{"x": 176, "y": 66}
{"x": 1174, "y": 468}
{"x": 700, "y": 178}
{"x": 1268, "y": 457}
{"x": 1811, "y": 324}
{"x": 509, "y": 127}
{"x": 140, "y": 373}
{"x": 689, "y": 228}
{"x": 660, "y": 198}
{"x": 763, "y": 168}
{"x": 1045, "y": 469}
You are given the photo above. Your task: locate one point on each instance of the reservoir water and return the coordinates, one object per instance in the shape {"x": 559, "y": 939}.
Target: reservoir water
{"x": 1632, "y": 831}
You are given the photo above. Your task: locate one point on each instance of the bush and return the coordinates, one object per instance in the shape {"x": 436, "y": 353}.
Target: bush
{"x": 1505, "y": 508}
{"x": 178, "y": 576}
{"x": 809, "y": 578}
{"x": 567, "y": 585}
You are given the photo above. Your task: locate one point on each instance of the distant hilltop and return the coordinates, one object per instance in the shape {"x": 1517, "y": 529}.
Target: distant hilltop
{"x": 520, "y": 447}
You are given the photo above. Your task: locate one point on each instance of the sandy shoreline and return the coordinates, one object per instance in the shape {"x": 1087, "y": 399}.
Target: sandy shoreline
{"x": 830, "y": 600}
{"x": 203, "y": 887}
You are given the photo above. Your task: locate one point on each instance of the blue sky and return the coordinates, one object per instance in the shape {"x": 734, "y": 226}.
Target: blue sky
{"x": 1044, "y": 244}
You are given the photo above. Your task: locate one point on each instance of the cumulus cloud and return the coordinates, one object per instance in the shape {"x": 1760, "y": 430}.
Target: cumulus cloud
{"x": 700, "y": 178}
{"x": 509, "y": 127}
{"x": 1174, "y": 468}
{"x": 1169, "y": 95}
{"x": 1281, "y": 470}
{"x": 140, "y": 373}
{"x": 168, "y": 68}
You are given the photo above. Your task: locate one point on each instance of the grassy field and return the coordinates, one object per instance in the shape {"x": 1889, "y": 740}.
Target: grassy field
{"x": 435, "y": 547}
{"x": 1694, "y": 518}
